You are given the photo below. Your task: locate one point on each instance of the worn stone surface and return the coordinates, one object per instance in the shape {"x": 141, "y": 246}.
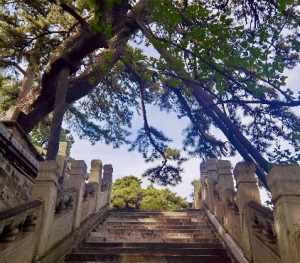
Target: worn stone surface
{"x": 284, "y": 182}
{"x": 148, "y": 237}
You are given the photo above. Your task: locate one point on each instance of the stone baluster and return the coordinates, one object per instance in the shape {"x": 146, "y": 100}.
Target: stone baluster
{"x": 284, "y": 182}
{"x": 247, "y": 191}
{"x": 61, "y": 160}
{"x": 224, "y": 187}
{"x": 211, "y": 167}
{"x": 78, "y": 175}
{"x": 227, "y": 210}
{"x": 197, "y": 194}
{"x": 45, "y": 189}
{"x": 203, "y": 181}
{"x": 96, "y": 177}
{"x": 10, "y": 233}
{"x": 106, "y": 183}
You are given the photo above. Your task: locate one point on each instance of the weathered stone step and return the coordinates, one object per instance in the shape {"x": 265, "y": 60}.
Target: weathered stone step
{"x": 123, "y": 230}
{"x": 150, "y": 221}
{"x": 157, "y": 240}
{"x": 150, "y": 245}
{"x": 157, "y": 251}
{"x": 155, "y": 213}
{"x": 163, "y": 229}
{"x": 137, "y": 225}
{"x": 152, "y": 237}
{"x": 146, "y": 258}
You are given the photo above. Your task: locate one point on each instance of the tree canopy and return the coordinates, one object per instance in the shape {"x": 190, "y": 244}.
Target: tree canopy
{"x": 222, "y": 64}
{"x": 128, "y": 193}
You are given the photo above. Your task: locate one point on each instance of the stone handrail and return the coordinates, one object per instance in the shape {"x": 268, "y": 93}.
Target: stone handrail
{"x": 19, "y": 220}
{"x": 263, "y": 222}
{"x": 29, "y": 159}
{"x": 48, "y": 206}
{"x": 253, "y": 232}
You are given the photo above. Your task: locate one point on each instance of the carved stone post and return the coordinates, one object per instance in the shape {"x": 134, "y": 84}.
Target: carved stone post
{"x": 224, "y": 187}
{"x": 284, "y": 182}
{"x": 61, "y": 160}
{"x": 77, "y": 180}
{"x": 197, "y": 194}
{"x": 96, "y": 177}
{"x": 211, "y": 166}
{"x": 247, "y": 191}
{"x": 45, "y": 189}
{"x": 106, "y": 184}
{"x": 203, "y": 181}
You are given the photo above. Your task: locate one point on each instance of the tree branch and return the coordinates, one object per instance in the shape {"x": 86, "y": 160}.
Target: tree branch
{"x": 72, "y": 11}
{"x": 14, "y": 64}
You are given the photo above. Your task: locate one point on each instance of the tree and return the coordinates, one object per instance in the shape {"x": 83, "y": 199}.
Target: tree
{"x": 40, "y": 134}
{"x": 126, "y": 192}
{"x": 221, "y": 64}
{"x": 161, "y": 199}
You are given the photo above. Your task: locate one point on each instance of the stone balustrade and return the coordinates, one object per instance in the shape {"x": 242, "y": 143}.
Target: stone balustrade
{"x": 46, "y": 206}
{"x": 19, "y": 220}
{"x": 253, "y": 232}
{"x": 19, "y": 226}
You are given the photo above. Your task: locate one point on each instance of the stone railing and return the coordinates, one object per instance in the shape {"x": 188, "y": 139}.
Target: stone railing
{"x": 62, "y": 201}
{"x": 251, "y": 231}
{"x": 19, "y": 227}
{"x": 18, "y": 167}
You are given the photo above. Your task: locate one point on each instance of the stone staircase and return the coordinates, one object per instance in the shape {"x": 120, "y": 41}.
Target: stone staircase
{"x": 152, "y": 237}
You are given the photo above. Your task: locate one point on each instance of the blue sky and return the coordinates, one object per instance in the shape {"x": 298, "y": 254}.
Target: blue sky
{"x": 131, "y": 163}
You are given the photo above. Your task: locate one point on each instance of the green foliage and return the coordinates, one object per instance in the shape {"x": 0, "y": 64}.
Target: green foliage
{"x": 128, "y": 193}
{"x": 161, "y": 199}
{"x": 236, "y": 51}
{"x": 8, "y": 93}
{"x": 39, "y": 135}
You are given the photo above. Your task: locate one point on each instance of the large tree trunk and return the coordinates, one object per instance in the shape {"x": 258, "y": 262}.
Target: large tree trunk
{"x": 232, "y": 132}
{"x": 58, "y": 114}
{"x": 70, "y": 54}
{"x": 78, "y": 88}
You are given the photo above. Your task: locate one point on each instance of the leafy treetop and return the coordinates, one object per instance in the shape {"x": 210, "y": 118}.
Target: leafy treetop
{"x": 221, "y": 64}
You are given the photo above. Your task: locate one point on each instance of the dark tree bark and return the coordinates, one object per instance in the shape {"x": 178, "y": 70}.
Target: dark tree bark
{"x": 82, "y": 85}
{"x": 239, "y": 141}
{"x": 58, "y": 114}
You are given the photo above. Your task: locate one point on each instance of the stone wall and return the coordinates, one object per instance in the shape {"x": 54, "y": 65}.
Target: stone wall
{"x": 45, "y": 206}
{"x": 253, "y": 232}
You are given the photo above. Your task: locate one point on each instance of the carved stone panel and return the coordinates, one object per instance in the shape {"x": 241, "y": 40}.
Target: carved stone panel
{"x": 15, "y": 188}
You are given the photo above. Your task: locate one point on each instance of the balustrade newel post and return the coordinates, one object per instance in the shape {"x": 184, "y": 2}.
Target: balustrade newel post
{"x": 247, "y": 191}
{"x": 96, "y": 177}
{"x": 284, "y": 182}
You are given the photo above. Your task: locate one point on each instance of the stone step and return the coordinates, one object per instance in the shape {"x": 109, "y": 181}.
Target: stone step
{"x": 161, "y": 229}
{"x": 158, "y": 240}
{"x": 152, "y": 237}
{"x": 156, "y": 213}
{"x": 124, "y": 230}
{"x": 137, "y": 225}
{"x": 153, "y": 251}
{"x": 150, "y": 245}
{"x": 192, "y": 221}
{"x": 146, "y": 258}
